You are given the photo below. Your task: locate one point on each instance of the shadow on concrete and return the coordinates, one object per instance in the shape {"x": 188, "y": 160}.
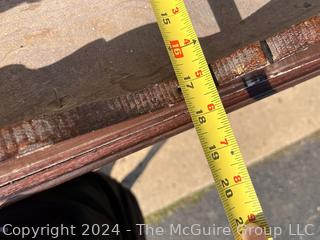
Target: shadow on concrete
{"x": 133, "y": 176}
{"x": 104, "y": 69}
{"x": 8, "y": 4}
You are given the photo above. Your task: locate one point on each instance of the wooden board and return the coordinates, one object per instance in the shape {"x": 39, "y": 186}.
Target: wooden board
{"x": 56, "y": 55}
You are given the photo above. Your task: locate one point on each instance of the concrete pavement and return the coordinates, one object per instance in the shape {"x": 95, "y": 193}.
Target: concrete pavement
{"x": 287, "y": 183}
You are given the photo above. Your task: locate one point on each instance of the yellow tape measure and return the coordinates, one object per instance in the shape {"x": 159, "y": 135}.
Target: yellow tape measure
{"x": 209, "y": 117}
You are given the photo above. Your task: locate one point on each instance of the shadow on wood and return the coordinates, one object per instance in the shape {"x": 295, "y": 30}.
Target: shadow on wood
{"x": 104, "y": 69}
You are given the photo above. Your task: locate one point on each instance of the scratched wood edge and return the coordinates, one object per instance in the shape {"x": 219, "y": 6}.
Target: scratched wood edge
{"x": 51, "y": 149}
{"x": 242, "y": 66}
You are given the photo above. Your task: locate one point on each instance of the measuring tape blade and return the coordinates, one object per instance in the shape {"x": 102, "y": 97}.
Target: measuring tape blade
{"x": 231, "y": 176}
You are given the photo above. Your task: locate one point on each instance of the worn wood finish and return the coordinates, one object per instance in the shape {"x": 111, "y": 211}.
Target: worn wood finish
{"x": 243, "y": 68}
{"x": 76, "y": 54}
{"x": 51, "y": 149}
{"x": 28, "y": 136}
{"x": 245, "y": 60}
{"x": 296, "y": 38}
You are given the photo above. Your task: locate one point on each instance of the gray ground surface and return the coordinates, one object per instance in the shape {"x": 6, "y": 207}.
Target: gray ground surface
{"x": 288, "y": 186}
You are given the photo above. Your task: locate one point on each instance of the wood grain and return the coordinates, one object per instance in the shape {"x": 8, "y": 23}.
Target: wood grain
{"x": 50, "y": 149}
